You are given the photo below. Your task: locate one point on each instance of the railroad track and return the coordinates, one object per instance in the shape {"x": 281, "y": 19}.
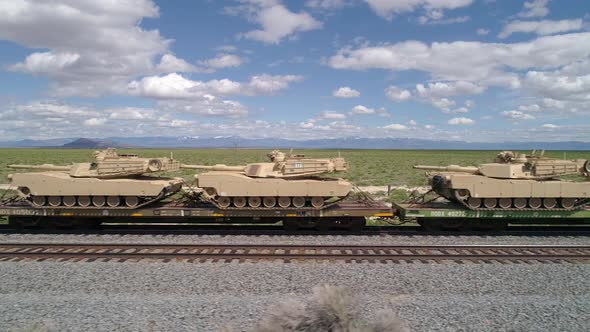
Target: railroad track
{"x": 289, "y": 253}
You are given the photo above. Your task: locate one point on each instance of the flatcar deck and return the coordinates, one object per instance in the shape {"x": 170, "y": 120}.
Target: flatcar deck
{"x": 177, "y": 210}
{"x": 448, "y": 210}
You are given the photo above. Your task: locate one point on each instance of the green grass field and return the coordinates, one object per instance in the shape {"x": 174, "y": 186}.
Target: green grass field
{"x": 367, "y": 167}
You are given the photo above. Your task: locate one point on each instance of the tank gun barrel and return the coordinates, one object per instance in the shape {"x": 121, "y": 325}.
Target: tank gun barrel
{"x": 218, "y": 167}
{"x": 450, "y": 168}
{"x": 44, "y": 167}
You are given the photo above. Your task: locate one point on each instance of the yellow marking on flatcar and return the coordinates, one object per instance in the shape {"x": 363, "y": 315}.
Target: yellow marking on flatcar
{"x": 388, "y": 214}
{"x": 67, "y": 214}
{"x": 218, "y": 214}
{"x": 137, "y": 214}
{"x": 291, "y": 215}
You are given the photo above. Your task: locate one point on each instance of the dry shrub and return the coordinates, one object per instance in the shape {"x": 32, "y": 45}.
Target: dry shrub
{"x": 329, "y": 309}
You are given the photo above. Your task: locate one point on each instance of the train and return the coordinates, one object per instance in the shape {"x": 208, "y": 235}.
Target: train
{"x": 119, "y": 188}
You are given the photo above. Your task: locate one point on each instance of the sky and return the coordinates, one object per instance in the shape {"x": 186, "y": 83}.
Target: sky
{"x": 470, "y": 70}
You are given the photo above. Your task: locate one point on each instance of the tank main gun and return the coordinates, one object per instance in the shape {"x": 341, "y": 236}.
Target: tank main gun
{"x": 109, "y": 164}
{"x": 44, "y": 167}
{"x": 217, "y": 167}
{"x": 450, "y": 168}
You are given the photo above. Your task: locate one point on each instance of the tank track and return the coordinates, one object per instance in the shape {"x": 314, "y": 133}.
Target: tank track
{"x": 581, "y": 205}
{"x": 92, "y": 207}
{"x": 305, "y": 208}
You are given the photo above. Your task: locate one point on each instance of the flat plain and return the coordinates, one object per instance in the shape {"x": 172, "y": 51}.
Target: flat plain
{"x": 367, "y": 167}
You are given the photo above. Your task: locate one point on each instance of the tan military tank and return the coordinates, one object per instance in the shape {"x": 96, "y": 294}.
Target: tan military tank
{"x": 114, "y": 180}
{"x": 287, "y": 181}
{"x": 514, "y": 181}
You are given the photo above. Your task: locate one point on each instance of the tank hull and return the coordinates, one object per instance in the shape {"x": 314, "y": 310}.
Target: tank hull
{"x": 61, "y": 184}
{"x": 484, "y": 187}
{"x": 234, "y": 184}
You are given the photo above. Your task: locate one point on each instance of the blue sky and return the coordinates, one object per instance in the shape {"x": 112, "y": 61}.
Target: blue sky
{"x": 474, "y": 70}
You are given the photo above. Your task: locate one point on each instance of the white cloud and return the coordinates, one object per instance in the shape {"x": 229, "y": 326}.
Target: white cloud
{"x": 550, "y": 126}
{"x": 458, "y": 110}
{"x": 487, "y": 63}
{"x": 396, "y": 94}
{"x": 429, "y": 127}
{"x": 482, "y": 31}
{"x": 443, "y": 104}
{"x": 208, "y": 105}
{"x": 93, "y": 122}
{"x": 388, "y": 8}
{"x": 346, "y": 92}
{"x": 412, "y": 122}
{"x": 517, "y": 115}
{"x": 395, "y": 126}
{"x": 175, "y": 86}
{"x": 529, "y": 108}
{"x": 544, "y": 27}
{"x": 131, "y": 113}
{"x": 535, "y": 8}
{"x": 170, "y": 63}
{"x": 276, "y": 21}
{"x": 326, "y": 4}
{"x": 460, "y": 121}
{"x": 448, "y": 89}
{"x": 91, "y": 48}
{"x": 223, "y": 60}
{"x": 331, "y": 115}
{"x": 360, "y": 109}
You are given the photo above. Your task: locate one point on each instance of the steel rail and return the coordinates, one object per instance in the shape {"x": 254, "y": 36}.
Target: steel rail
{"x": 382, "y": 253}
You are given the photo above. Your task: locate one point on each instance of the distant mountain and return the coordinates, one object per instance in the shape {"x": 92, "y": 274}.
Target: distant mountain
{"x": 277, "y": 143}
{"x": 85, "y": 143}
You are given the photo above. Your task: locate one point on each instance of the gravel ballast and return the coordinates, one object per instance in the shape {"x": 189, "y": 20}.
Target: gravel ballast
{"x": 155, "y": 296}
{"x": 298, "y": 239}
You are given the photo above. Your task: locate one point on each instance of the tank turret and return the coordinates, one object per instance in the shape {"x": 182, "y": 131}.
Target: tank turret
{"x": 289, "y": 180}
{"x": 513, "y": 181}
{"x": 111, "y": 179}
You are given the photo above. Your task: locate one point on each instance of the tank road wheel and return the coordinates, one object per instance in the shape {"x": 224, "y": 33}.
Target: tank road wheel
{"x": 535, "y": 202}
{"x": 98, "y": 201}
{"x": 239, "y": 201}
{"x": 317, "y": 202}
{"x": 223, "y": 201}
{"x": 520, "y": 203}
{"x": 39, "y": 200}
{"x": 490, "y": 203}
{"x": 69, "y": 201}
{"x": 284, "y": 201}
{"x": 549, "y": 203}
{"x": 505, "y": 203}
{"x": 298, "y": 202}
{"x": 113, "y": 201}
{"x": 211, "y": 191}
{"x": 84, "y": 201}
{"x": 254, "y": 201}
{"x": 269, "y": 201}
{"x": 461, "y": 194}
{"x": 131, "y": 201}
{"x": 54, "y": 200}
{"x": 568, "y": 203}
{"x": 474, "y": 202}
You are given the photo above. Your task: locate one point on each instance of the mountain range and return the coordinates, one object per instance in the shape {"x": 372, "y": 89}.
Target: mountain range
{"x": 277, "y": 143}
